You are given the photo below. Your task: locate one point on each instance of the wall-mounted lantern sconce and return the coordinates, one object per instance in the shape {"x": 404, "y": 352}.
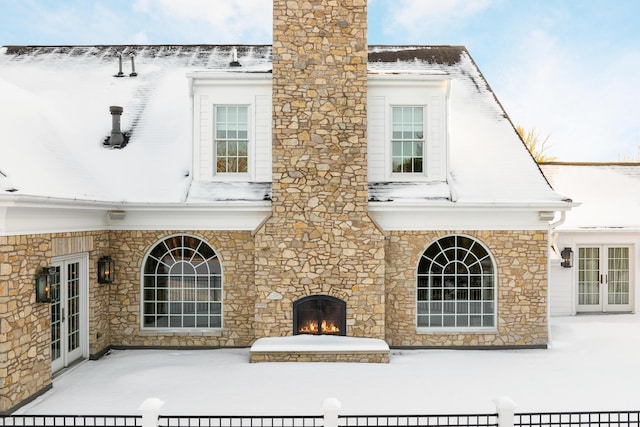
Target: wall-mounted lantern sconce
{"x": 43, "y": 284}
{"x": 567, "y": 258}
{"x": 105, "y": 270}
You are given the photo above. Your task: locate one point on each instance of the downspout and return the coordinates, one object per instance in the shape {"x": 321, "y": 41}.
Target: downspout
{"x": 551, "y": 245}
{"x": 193, "y": 143}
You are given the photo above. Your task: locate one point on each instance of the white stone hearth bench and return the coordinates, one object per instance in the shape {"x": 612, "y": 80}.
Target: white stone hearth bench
{"x": 319, "y": 348}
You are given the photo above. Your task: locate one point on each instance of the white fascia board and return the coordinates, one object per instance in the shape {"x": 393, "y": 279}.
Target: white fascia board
{"x": 632, "y": 231}
{"x": 229, "y": 216}
{"x": 452, "y": 216}
{"x": 207, "y": 78}
{"x": 409, "y": 80}
{"x": 21, "y": 220}
{"x": 41, "y": 215}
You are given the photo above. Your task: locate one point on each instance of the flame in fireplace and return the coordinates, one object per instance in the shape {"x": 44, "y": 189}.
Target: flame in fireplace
{"x": 312, "y": 328}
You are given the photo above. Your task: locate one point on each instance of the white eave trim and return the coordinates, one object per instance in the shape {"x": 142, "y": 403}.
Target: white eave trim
{"x": 598, "y": 230}
{"x": 446, "y": 215}
{"x": 206, "y": 78}
{"x": 36, "y": 215}
{"x": 444, "y": 205}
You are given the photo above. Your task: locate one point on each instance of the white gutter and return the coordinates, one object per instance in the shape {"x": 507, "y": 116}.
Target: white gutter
{"x": 62, "y": 203}
{"x": 441, "y": 205}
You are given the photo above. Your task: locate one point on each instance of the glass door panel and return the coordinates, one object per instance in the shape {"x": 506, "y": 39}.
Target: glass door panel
{"x": 73, "y": 311}
{"x": 57, "y": 361}
{"x": 68, "y": 331}
{"x": 589, "y": 279}
{"x": 604, "y": 279}
{"x": 618, "y": 276}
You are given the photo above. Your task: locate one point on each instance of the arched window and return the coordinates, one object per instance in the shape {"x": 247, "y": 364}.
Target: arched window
{"x": 182, "y": 285}
{"x": 456, "y": 285}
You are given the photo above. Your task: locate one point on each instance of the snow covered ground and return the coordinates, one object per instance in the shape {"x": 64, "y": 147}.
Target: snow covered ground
{"x": 592, "y": 364}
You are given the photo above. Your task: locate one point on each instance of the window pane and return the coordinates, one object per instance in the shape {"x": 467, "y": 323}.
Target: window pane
{"x": 186, "y": 290}
{"x": 397, "y": 149}
{"x": 397, "y": 164}
{"x": 232, "y": 124}
{"x": 221, "y": 148}
{"x": 418, "y": 115}
{"x": 397, "y": 115}
{"x": 407, "y": 139}
{"x": 232, "y": 115}
{"x": 242, "y": 148}
{"x": 243, "y": 114}
{"x": 458, "y": 298}
{"x": 221, "y": 114}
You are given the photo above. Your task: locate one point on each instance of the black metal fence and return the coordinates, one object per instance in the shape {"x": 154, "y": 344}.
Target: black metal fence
{"x": 71, "y": 421}
{"x": 235, "y": 421}
{"x": 541, "y": 419}
{"x": 471, "y": 420}
{"x": 578, "y": 419}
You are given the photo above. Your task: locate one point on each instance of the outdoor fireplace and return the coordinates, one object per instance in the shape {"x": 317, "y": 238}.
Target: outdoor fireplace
{"x": 320, "y": 315}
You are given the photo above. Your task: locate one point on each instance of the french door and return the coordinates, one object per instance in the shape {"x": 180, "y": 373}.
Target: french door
{"x": 604, "y": 279}
{"x": 68, "y": 312}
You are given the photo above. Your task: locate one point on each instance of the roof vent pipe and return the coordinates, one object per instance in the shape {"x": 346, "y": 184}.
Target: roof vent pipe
{"x": 120, "y": 73}
{"x": 117, "y": 138}
{"x": 234, "y": 62}
{"x": 133, "y": 66}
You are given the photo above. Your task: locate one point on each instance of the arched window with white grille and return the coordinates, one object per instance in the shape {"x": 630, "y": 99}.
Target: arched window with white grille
{"x": 456, "y": 286}
{"x": 182, "y": 285}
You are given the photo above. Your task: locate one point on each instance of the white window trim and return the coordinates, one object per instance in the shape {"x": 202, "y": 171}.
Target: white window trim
{"x": 408, "y": 176}
{"x": 209, "y": 88}
{"x": 462, "y": 329}
{"x": 145, "y": 330}
{"x": 430, "y": 91}
{"x": 235, "y": 176}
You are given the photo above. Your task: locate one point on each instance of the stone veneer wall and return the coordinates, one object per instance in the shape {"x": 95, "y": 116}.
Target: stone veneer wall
{"x": 320, "y": 356}
{"x": 25, "y": 332}
{"x": 521, "y": 258}
{"x": 319, "y": 239}
{"x": 235, "y": 250}
{"x": 25, "y": 366}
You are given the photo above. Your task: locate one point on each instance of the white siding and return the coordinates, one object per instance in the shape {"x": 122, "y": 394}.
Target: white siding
{"x": 387, "y": 92}
{"x": 262, "y": 138}
{"x": 204, "y": 123}
{"x": 561, "y": 290}
{"x": 252, "y": 90}
{"x": 376, "y": 130}
{"x": 436, "y": 138}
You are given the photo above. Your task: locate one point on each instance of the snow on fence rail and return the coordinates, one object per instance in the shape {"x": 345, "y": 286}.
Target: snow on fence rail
{"x": 504, "y": 417}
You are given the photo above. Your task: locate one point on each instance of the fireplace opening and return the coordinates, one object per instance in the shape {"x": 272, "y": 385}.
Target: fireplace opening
{"x": 320, "y": 315}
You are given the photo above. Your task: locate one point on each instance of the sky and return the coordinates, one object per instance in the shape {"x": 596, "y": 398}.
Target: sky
{"x": 564, "y": 68}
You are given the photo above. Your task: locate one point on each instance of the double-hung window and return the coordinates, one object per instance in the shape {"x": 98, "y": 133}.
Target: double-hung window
{"x": 407, "y": 140}
{"x": 231, "y": 139}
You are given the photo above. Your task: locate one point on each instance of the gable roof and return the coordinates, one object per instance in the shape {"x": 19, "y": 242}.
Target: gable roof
{"x": 55, "y": 117}
{"x": 608, "y": 193}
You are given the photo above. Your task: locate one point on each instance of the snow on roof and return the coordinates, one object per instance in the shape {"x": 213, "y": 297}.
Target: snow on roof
{"x": 608, "y": 193}
{"x": 408, "y": 191}
{"x": 55, "y": 116}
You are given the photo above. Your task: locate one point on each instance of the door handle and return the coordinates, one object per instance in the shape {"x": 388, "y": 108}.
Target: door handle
{"x": 62, "y": 315}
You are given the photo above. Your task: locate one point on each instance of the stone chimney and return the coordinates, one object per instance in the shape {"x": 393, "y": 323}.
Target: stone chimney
{"x": 320, "y": 239}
